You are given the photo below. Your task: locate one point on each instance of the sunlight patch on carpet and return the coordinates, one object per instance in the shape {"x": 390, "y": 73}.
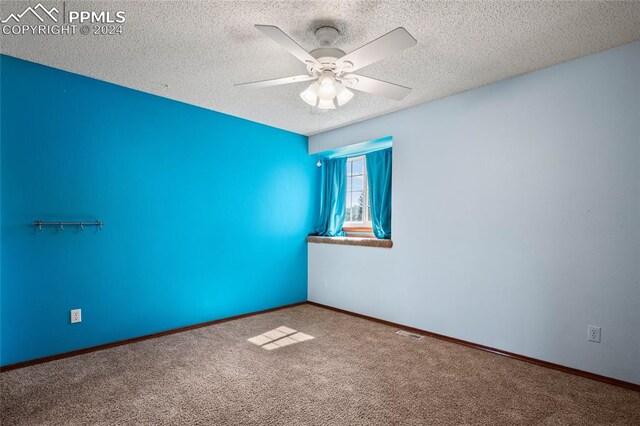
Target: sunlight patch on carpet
{"x": 279, "y": 337}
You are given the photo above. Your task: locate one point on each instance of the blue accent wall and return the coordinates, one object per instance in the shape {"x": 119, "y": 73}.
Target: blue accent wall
{"x": 206, "y": 214}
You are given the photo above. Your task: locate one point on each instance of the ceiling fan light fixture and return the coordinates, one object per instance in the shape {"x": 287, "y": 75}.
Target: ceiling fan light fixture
{"x": 310, "y": 95}
{"x": 343, "y": 95}
{"x": 331, "y": 70}
{"x": 327, "y": 89}
{"x": 326, "y": 104}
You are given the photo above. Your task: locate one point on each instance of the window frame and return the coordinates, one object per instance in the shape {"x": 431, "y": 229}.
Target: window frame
{"x": 365, "y": 225}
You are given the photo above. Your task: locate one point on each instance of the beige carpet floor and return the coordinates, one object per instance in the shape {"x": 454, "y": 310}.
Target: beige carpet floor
{"x": 354, "y": 372}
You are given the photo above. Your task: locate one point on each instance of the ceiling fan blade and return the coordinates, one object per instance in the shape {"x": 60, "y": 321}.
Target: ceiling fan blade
{"x": 277, "y": 81}
{"x": 279, "y": 36}
{"x": 375, "y": 87}
{"x": 390, "y": 43}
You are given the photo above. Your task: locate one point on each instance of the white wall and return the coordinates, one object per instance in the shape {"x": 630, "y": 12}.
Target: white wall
{"x": 516, "y": 217}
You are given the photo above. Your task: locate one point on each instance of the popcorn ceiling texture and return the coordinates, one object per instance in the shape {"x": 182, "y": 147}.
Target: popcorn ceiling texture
{"x": 354, "y": 372}
{"x": 195, "y": 51}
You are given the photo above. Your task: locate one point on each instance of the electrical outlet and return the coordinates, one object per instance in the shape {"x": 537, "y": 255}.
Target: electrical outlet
{"x": 76, "y": 316}
{"x": 593, "y": 334}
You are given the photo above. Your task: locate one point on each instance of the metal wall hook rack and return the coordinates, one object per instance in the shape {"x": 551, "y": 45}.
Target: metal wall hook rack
{"x": 40, "y": 224}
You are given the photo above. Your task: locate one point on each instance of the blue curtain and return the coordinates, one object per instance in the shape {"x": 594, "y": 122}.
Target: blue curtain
{"x": 379, "y": 180}
{"x": 332, "y": 197}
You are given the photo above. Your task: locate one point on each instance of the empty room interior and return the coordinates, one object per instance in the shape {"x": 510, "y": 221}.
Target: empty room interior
{"x": 320, "y": 212}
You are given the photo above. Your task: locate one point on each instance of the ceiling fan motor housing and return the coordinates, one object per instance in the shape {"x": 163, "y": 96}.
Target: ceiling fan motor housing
{"x": 327, "y": 57}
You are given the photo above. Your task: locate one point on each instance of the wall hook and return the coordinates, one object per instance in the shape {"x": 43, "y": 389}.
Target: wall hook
{"x": 60, "y": 225}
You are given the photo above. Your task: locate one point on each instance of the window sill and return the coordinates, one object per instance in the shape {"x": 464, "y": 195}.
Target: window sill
{"x": 351, "y": 241}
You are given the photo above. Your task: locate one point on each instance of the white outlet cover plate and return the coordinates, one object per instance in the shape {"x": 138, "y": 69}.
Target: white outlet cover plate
{"x": 593, "y": 334}
{"x": 76, "y": 316}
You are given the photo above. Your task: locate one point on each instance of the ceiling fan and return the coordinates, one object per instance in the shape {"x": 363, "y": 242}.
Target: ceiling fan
{"x": 331, "y": 70}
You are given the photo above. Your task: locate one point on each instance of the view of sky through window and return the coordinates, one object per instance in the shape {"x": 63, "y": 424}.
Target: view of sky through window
{"x": 357, "y": 196}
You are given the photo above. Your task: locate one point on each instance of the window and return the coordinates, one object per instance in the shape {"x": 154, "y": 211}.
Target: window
{"x": 358, "y": 211}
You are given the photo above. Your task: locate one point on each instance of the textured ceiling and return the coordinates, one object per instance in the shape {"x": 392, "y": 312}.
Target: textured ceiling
{"x": 195, "y": 51}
